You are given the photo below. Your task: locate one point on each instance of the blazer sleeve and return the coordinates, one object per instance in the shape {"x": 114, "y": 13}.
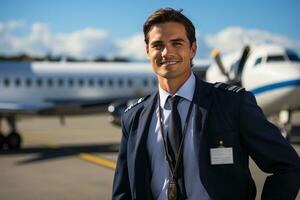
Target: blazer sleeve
{"x": 270, "y": 151}
{"x": 121, "y": 186}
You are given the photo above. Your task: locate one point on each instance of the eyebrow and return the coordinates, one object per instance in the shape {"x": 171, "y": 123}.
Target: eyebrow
{"x": 177, "y": 40}
{"x": 160, "y": 42}
{"x": 156, "y": 42}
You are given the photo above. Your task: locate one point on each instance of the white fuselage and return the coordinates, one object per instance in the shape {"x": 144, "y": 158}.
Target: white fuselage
{"x": 271, "y": 76}
{"x": 44, "y": 82}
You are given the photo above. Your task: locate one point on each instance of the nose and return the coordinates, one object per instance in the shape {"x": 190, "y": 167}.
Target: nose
{"x": 166, "y": 51}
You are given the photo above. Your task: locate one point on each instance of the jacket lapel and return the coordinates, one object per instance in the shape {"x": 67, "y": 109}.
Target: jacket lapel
{"x": 202, "y": 103}
{"x": 141, "y": 165}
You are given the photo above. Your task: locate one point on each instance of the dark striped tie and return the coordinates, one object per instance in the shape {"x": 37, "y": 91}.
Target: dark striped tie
{"x": 174, "y": 137}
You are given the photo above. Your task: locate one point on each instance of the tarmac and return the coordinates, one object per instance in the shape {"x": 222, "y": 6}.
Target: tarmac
{"x": 74, "y": 161}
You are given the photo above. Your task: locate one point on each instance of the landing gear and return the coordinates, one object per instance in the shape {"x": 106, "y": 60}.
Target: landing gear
{"x": 2, "y": 141}
{"x": 13, "y": 140}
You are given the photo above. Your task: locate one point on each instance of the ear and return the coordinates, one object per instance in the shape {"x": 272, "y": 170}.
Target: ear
{"x": 193, "y": 50}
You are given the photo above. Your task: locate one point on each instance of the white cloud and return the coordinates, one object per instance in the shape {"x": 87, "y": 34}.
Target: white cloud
{"x": 6, "y": 35}
{"x": 234, "y": 38}
{"x": 133, "y": 47}
{"x": 92, "y": 42}
{"x": 86, "y": 43}
{"x": 38, "y": 42}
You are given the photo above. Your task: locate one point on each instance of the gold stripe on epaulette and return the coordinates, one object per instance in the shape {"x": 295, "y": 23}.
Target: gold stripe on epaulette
{"x": 231, "y": 88}
{"x": 218, "y": 85}
{"x": 238, "y": 90}
{"x": 224, "y": 86}
{"x": 134, "y": 104}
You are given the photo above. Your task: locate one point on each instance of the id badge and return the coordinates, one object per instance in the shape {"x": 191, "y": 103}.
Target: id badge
{"x": 221, "y": 155}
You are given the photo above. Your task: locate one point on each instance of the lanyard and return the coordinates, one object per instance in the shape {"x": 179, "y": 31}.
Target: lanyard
{"x": 173, "y": 169}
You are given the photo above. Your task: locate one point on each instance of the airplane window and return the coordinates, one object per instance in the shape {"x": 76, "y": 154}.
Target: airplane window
{"x": 110, "y": 82}
{"x": 71, "y": 82}
{"x": 39, "y": 82}
{"x": 91, "y": 82}
{"x": 28, "y": 82}
{"x": 50, "y": 82}
{"x": 60, "y": 82}
{"x": 292, "y": 56}
{"x": 258, "y": 61}
{"x": 6, "y": 82}
{"x": 129, "y": 82}
{"x": 100, "y": 82}
{"x": 275, "y": 58}
{"x": 145, "y": 82}
{"x": 81, "y": 82}
{"x": 120, "y": 82}
{"x": 17, "y": 82}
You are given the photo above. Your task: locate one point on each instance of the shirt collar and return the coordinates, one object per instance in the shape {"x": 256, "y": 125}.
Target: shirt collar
{"x": 186, "y": 91}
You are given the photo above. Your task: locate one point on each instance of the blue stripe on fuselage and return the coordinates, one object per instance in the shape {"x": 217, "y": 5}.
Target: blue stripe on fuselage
{"x": 274, "y": 86}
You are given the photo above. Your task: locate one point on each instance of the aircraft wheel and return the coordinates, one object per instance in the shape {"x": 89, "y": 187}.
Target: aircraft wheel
{"x": 2, "y": 141}
{"x": 14, "y": 141}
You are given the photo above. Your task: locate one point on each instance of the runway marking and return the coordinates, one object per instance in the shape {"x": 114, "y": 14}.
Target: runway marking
{"x": 98, "y": 160}
{"x": 84, "y": 156}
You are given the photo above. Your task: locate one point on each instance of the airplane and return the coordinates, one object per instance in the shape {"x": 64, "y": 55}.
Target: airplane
{"x": 270, "y": 72}
{"x": 66, "y": 88}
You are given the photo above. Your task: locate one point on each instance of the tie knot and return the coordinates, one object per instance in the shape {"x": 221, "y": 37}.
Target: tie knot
{"x": 174, "y": 101}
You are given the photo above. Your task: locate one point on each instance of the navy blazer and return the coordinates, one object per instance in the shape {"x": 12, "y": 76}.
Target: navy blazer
{"x": 232, "y": 117}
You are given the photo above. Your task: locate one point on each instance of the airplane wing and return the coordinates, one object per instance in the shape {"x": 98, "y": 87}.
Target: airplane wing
{"x": 79, "y": 106}
{"x": 12, "y": 108}
{"x": 58, "y": 106}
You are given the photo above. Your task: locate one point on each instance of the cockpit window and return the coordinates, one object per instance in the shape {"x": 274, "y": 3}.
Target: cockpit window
{"x": 258, "y": 61}
{"x": 293, "y": 57}
{"x": 275, "y": 58}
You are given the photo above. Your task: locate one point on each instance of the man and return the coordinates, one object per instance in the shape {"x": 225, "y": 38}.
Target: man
{"x": 192, "y": 139}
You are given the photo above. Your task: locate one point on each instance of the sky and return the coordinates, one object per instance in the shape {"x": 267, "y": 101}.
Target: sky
{"x": 90, "y": 28}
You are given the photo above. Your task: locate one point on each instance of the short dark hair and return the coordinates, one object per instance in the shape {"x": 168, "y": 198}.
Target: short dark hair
{"x": 164, "y": 15}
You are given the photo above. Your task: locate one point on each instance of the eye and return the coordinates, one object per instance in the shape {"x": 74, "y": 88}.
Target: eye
{"x": 157, "y": 46}
{"x": 177, "y": 44}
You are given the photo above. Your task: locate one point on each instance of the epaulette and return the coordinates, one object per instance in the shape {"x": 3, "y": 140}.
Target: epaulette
{"x": 136, "y": 103}
{"x": 232, "y": 88}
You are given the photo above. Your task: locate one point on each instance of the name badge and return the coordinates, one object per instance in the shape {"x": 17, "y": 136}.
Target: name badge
{"x": 221, "y": 155}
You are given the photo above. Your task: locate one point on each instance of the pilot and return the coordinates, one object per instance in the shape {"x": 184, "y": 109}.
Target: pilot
{"x": 192, "y": 139}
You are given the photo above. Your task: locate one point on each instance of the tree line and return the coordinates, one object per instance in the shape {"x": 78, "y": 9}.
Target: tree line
{"x": 28, "y": 58}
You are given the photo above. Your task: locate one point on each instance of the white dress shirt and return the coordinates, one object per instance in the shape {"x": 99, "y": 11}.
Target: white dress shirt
{"x": 159, "y": 166}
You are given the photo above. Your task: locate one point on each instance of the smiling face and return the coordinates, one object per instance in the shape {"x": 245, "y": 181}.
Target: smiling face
{"x": 170, "y": 51}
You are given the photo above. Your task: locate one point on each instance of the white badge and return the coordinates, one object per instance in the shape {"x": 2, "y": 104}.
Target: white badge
{"x": 221, "y": 155}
